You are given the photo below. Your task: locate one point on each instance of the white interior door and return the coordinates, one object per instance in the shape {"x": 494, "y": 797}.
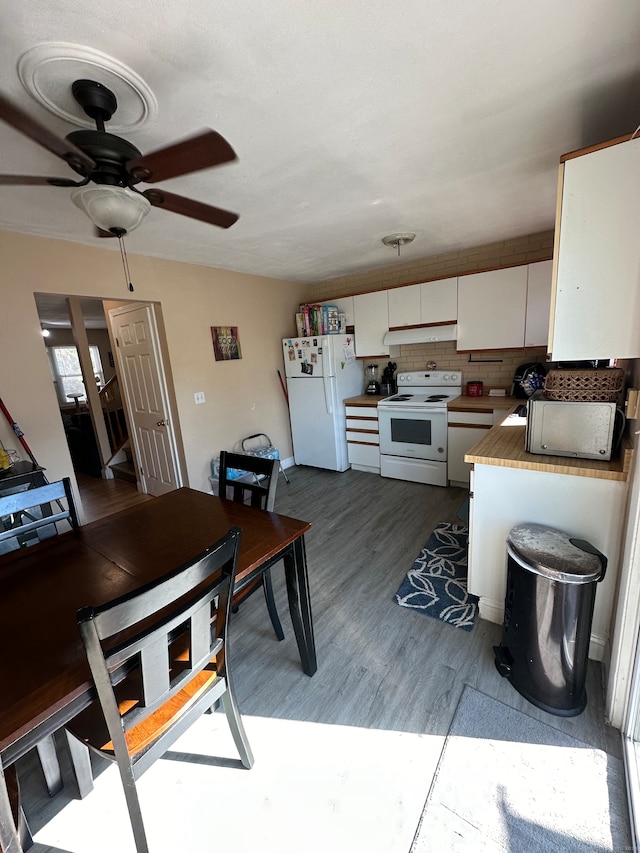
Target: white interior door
{"x": 142, "y": 375}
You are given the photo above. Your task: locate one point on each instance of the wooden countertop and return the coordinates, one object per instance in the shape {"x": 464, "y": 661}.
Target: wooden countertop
{"x": 483, "y": 404}
{"x": 365, "y": 400}
{"x": 504, "y": 447}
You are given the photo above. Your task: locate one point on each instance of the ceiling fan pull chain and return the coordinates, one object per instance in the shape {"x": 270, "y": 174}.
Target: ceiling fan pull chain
{"x": 125, "y": 263}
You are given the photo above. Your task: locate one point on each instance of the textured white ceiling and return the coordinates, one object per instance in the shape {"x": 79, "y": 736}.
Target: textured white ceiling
{"x": 351, "y": 120}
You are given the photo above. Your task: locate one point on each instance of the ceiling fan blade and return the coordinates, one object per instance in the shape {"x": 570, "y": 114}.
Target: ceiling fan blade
{"x": 35, "y": 180}
{"x": 14, "y": 116}
{"x": 199, "y": 152}
{"x": 189, "y": 207}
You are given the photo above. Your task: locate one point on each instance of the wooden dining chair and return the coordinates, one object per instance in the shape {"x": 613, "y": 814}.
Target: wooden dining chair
{"x": 259, "y": 492}
{"x": 158, "y": 661}
{"x": 26, "y": 518}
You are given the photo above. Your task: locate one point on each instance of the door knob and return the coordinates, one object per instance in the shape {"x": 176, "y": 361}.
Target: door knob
{"x": 161, "y": 423}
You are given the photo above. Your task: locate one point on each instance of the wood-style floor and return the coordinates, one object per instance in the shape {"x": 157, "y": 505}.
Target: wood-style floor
{"x": 384, "y": 674}
{"x": 104, "y": 497}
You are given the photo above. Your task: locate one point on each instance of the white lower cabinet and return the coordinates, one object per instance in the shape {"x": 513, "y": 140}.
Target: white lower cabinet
{"x": 464, "y": 430}
{"x": 363, "y": 446}
{"x": 585, "y": 507}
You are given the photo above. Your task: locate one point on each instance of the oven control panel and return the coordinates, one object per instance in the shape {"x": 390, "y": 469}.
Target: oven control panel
{"x": 430, "y": 377}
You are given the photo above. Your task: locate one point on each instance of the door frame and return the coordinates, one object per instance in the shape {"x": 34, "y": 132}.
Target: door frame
{"x": 175, "y": 441}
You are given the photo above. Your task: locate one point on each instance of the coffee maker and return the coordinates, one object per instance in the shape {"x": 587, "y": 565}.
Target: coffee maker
{"x": 388, "y": 382}
{"x": 371, "y": 373}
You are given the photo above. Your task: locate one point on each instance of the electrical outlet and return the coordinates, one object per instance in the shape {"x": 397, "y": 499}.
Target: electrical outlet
{"x": 199, "y": 396}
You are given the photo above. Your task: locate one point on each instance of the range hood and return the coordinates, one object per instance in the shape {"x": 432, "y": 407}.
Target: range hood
{"x": 422, "y": 335}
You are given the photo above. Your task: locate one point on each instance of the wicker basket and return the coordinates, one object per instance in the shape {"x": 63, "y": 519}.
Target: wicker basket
{"x": 599, "y": 385}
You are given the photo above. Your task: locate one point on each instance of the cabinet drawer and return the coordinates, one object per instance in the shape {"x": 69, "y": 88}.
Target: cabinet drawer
{"x": 366, "y": 424}
{"x": 362, "y": 437}
{"x": 463, "y": 419}
{"x": 362, "y": 412}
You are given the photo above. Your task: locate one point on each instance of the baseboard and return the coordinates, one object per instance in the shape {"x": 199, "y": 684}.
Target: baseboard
{"x": 369, "y": 469}
{"x": 289, "y": 462}
{"x": 493, "y": 611}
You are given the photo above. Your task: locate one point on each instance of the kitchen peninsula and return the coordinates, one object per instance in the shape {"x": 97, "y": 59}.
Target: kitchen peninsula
{"x": 509, "y": 486}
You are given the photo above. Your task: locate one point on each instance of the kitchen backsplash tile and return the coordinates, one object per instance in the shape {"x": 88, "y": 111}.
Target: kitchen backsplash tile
{"x": 495, "y": 372}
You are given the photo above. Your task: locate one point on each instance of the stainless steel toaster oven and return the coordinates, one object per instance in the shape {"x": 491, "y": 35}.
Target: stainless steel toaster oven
{"x": 583, "y": 430}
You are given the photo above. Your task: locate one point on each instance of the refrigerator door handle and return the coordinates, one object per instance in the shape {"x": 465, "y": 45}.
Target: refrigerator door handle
{"x": 326, "y": 384}
{"x": 328, "y": 368}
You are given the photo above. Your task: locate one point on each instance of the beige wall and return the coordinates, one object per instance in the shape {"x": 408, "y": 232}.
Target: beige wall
{"x": 242, "y": 397}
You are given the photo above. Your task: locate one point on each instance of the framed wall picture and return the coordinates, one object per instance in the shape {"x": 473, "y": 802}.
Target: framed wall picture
{"x": 226, "y": 343}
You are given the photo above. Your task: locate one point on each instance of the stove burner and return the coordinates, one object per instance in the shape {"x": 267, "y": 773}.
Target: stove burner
{"x": 399, "y": 398}
{"x": 435, "y": 398}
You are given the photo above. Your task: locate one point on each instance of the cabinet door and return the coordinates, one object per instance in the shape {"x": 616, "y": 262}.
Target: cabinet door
{"x": 460, "y": 440}
{"x": 371, "y": 316}
{"x": 491, "y": 309}
{"x": 597, "y": 310}
{"x": 344, "y": 306}
{"x": 439, "y": 301}
{"x": 404, "y": 306}
{"x": 536, "y": 332}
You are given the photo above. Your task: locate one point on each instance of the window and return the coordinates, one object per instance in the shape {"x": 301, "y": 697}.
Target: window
{"x": 65, "y": 365}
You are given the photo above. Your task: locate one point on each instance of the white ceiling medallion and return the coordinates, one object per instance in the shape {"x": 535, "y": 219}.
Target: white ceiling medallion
{"x": 48, "y": 70}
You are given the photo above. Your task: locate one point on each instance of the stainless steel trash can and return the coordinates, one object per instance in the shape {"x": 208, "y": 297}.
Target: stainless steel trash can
{"x": 551, "y": 588}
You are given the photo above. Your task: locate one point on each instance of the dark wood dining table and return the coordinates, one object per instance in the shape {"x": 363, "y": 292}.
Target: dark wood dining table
{"x": 44, "y": 676}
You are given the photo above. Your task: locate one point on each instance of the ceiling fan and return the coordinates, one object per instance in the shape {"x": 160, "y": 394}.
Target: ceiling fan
{"x": 110, "y": 167}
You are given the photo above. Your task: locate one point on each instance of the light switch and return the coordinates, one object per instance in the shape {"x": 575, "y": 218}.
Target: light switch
{"x": 632, "y": 403}
{"x": 199, "y": 396}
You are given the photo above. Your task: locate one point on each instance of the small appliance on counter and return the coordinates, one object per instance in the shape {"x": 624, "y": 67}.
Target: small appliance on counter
{"x": 371, "y": 378}
{"x": 581, "y": 430}
{"x": 527, "y": 379}
{"x": 474, "y": 389}
{"x": 388, "y": 383}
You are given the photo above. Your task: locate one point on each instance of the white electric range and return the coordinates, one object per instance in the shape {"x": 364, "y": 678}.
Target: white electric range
{"x": 413, "y": 426}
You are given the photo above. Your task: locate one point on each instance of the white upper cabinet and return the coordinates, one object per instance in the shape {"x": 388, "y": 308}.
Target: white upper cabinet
{"x": 439, "y": 301}
{"x": 428, "y": 303}
{"x": 536, "y": 331}
{"x": 404, "y": 306}
{"x": 596, "y": 291}
{"x": 371, "y": 321}
{"x": 491, "y": 309}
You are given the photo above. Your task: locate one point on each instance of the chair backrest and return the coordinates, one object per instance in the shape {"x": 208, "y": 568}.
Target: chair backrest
{"x": 31, "y": 515}
{"x": 153, "y": 647}
{"x": 260, "y": 491}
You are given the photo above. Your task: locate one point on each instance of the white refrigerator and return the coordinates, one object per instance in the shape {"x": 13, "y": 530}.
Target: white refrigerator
{"x": 321, "y": 371}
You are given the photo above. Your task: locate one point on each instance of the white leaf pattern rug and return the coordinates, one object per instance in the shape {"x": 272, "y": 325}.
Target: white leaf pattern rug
{"x": 436, "y": 584}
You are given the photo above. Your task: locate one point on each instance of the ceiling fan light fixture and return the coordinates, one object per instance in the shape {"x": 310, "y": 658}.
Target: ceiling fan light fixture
{"x": 111, "y": 208}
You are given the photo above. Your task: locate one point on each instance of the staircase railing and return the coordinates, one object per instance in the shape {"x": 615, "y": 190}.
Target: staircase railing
{"x": 112, "y": 407}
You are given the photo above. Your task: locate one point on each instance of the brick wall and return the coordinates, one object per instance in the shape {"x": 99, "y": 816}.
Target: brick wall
{"x": 495, "y": 367}
{"x": 521, "y": 250}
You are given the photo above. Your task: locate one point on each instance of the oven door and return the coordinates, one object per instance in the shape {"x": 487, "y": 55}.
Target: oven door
{"x": 413, "y": 433}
